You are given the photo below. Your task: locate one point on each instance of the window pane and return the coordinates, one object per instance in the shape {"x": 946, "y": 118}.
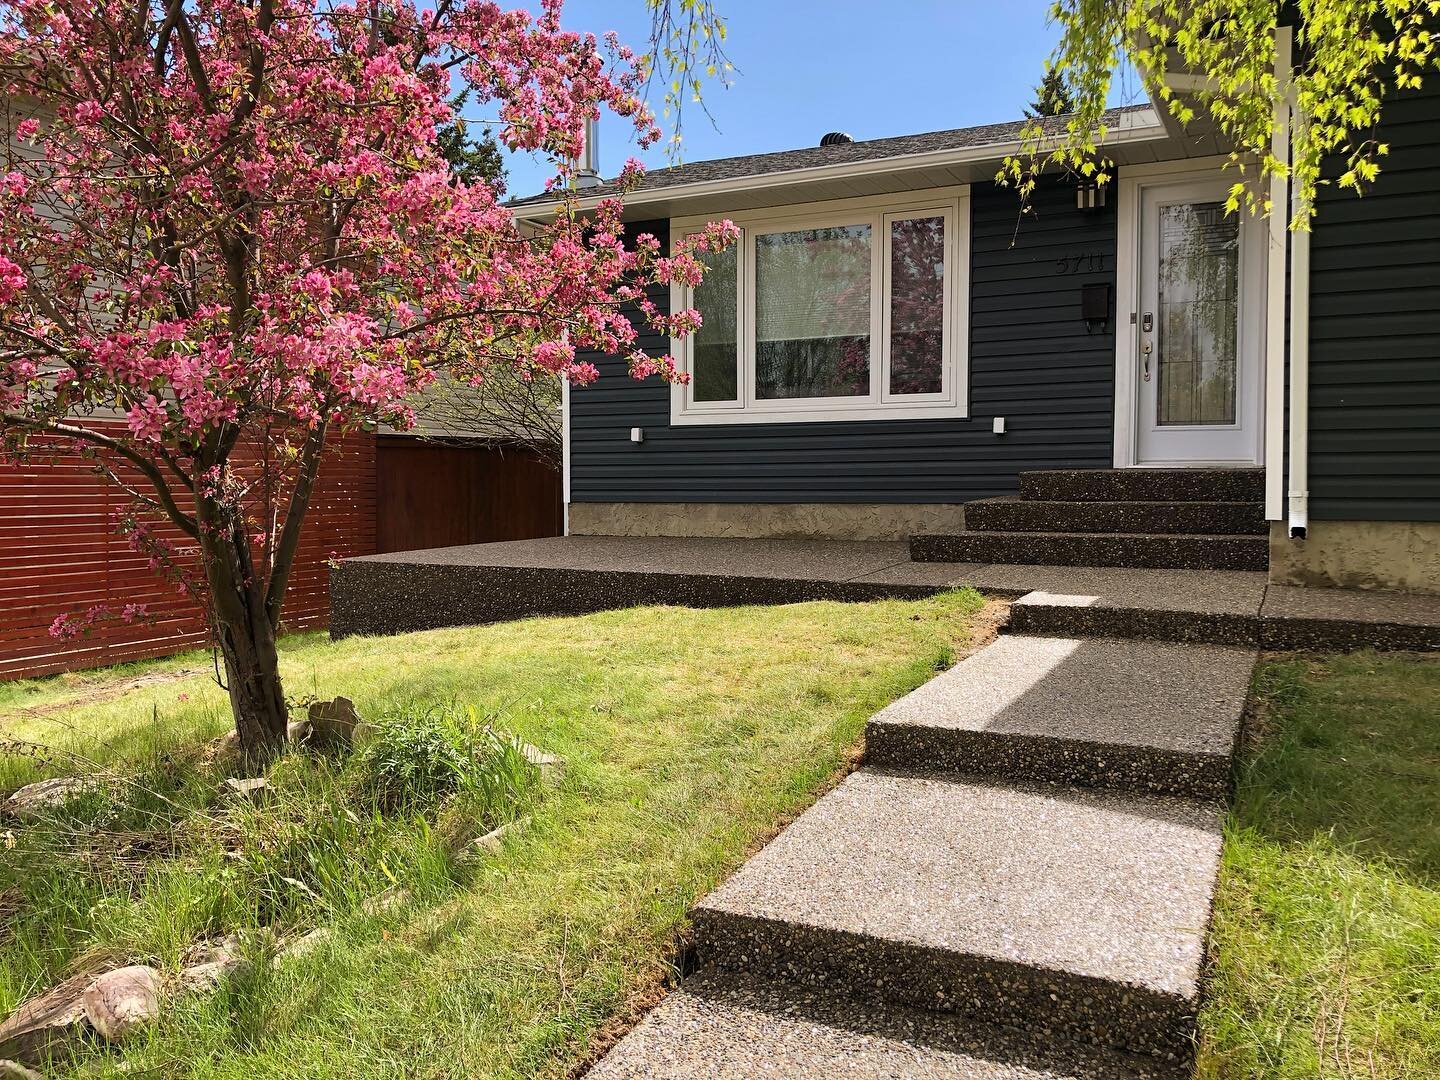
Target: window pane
{"x": 713, "y": 347}
{"x": 812, "y": 313}
{"x": 917, "y": 305}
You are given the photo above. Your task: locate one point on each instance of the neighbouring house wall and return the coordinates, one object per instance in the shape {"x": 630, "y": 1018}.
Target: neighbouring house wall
{"x": 60, "y": 554}
{"x": 1031, "y": 361}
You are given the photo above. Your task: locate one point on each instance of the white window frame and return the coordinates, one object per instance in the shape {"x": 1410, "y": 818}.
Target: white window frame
{"x": 952, "y": 402}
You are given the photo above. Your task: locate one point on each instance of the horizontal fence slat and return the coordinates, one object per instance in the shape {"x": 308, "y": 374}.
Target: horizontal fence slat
{"x": 60, "y": 554}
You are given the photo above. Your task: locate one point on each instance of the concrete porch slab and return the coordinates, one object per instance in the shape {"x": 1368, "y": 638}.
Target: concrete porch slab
{"x": 576, "y": 575}
{"x": 723, "y": 1028}
{"x": 1099, "y": 712}
{"x": 1342, "y": 619}
{"x": 1072, "y": 910}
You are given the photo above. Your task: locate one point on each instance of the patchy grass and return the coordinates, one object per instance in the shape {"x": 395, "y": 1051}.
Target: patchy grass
{"x": 1327, "y": 925}
{"x": 688, "y": 737}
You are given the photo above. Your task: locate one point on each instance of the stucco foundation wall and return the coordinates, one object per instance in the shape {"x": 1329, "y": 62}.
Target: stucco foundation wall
{"x": 811, "y": 521}
{"x": 1401, "y": 555}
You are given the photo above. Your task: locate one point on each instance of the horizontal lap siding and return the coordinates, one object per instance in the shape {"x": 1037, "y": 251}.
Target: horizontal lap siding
{"x": 1031, "y": 361}
{"x": 60, "y": 555}
{"x": 1375, "y": 332}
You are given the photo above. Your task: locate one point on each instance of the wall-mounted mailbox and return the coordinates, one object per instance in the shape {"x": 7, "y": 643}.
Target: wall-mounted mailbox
{"x": 1095, "y": 307}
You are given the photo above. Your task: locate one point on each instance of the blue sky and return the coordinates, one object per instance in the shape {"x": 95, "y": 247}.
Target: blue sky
{"x": 806, "y": 67}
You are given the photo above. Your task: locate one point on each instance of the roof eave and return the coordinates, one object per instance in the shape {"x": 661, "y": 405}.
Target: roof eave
{"x": 1129, "y": 131}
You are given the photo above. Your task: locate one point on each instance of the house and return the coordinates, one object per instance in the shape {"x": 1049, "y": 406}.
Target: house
{"x": 892, "y": 346}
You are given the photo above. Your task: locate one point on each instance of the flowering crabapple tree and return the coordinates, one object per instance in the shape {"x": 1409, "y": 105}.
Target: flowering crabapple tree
{"x": 228, "y": 225}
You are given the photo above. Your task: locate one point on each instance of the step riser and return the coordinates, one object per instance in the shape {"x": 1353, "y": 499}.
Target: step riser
{"x": 1119, "y": 550}
{"x": 865, "y": 968}
{"x": 1144, "y": 485}
{"x": 1309, "y": 635}
{"x": 1010, "y": 756}
{"x": 1067, "y": 621}
{"x": 1116, "y": 517}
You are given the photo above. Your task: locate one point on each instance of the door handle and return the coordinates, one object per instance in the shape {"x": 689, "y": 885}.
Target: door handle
{"x": 1145, "y": 350}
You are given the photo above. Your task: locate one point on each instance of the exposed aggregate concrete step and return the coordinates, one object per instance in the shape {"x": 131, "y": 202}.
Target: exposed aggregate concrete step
{"x": 1018, "y": 515}
{"x": 723, "y": 1028}
{"x": 1060, "y": 910}
{"x": 1133, "y": 715}
{"x": 1133, "y": 550}
{"x": 1144, "y": 485}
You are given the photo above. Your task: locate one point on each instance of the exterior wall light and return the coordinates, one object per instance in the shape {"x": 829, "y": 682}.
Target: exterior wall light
{"x": 1089, "y": 195}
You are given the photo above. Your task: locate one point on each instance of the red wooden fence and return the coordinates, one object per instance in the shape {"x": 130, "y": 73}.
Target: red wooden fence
{"x": 60, "y": 555}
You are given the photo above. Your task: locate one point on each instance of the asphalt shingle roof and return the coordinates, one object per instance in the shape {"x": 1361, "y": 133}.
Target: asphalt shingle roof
{"x": 696, "y": 172}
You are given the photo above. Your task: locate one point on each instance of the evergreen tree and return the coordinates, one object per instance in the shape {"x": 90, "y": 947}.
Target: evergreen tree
{"x": 1052, "y": 97}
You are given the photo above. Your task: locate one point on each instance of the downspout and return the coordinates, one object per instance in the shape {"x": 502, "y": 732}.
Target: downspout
{"x": 1299, "y": 482}
{"x": 1277, "y": 237}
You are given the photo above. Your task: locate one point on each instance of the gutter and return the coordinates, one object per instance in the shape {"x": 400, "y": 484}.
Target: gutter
{"x": 1150, "y": 131}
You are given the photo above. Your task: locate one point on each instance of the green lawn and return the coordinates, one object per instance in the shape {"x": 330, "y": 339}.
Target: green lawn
{"x": 689, "y": 737}
{"x": 1327, "y": 926}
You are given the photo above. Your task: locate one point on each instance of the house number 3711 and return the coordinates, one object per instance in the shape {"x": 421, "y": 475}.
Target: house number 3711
{"x": 1088, "y": 263}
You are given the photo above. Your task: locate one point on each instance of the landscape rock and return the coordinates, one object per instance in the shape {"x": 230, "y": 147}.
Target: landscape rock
{"x": 208, "y": 964}
{"x": 206, "y": 978}
{"x": 122, "y": 1000}
{"x": 305, "y": 943}
{"x": 36, "y": 800}
{"x": 551, "y": 767}
{"x": 254, "y": 790}
{"x": 492, "y": 842}
{"x": 43, "y": 1023}
{"x": 333, "y": 724}
{"x": 297, "y": 732}
{"x": 388, "y": 900}
{"x": 13, "y": 1070}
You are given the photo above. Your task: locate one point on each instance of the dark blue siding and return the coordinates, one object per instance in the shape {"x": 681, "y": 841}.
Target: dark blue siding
{"x": 1375, "y": 331}
{"x": 1031, "y": 361}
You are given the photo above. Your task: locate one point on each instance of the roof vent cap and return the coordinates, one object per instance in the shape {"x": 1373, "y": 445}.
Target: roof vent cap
{"x": 836, "y": 138}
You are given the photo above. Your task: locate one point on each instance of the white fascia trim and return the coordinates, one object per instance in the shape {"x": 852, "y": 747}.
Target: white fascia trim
{"x": 1275, "y": 299}
{"x": 1127, "y": 134}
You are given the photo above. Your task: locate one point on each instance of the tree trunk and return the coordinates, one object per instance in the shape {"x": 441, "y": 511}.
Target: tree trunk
{"x": 246, "y": 639}
{"x": 257, "y": 698}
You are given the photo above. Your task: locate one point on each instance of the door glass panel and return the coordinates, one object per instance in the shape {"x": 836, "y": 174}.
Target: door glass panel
{"x": 812, "y": 313}
{"x": 1198, "y": 311}
{"x": 917, "y": 305}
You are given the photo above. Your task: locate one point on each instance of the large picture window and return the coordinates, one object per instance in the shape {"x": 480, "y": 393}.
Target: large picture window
{"x": 850, "y": 310}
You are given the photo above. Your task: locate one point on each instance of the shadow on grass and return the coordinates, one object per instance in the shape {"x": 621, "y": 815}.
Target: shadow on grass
{"x": 1348, "y": 748}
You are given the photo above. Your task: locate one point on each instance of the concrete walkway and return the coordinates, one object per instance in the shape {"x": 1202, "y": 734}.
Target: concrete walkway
{"x": 1017, "y": 884}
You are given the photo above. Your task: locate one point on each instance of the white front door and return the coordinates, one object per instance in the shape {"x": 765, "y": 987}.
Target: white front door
{"x": 1199, "y": 327}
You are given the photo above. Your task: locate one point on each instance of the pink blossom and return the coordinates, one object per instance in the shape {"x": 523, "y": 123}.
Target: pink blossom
{"x": 146, "y": 419}
{"x": 310, "y": 263}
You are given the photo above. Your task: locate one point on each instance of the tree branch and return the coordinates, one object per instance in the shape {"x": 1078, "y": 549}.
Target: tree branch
{"x": 283, "y": 559}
